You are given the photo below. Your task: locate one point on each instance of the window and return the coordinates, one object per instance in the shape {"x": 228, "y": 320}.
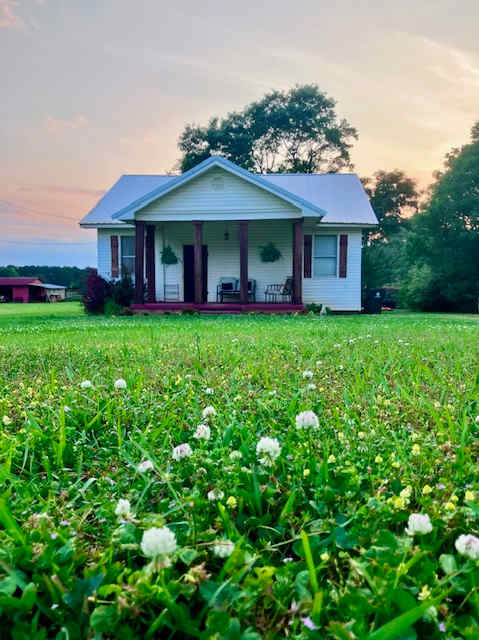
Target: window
{"x": 325, "y": 256}
{"x": 127, "y": 255}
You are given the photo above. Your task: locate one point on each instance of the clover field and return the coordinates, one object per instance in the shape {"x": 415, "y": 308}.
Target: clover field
{"x": 109, "y": 530}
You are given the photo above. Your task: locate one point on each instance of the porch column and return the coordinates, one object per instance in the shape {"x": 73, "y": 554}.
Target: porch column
{"x": 139, "y": 262}
{"x": 198, "y": 261}
{"x": 150, "y": 263}
{"x": 243, "y": 240}
{"x": 297, "y": 294}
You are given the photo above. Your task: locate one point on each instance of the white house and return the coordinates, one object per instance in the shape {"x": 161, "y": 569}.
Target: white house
{"x": 216, "y": 218}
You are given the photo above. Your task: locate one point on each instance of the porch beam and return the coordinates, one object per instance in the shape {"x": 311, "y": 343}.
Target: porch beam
{"x": 298, "y": 240}
{"x": 150, "y": 263}
{"x": 243, "y": 240}
{"x": 198, "y": 261}
{"x": 139, "y": 262}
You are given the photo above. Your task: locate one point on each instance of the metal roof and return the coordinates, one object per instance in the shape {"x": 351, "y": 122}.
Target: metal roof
{"x": 43, "y": 285}
{"x": 339, "y": 197}
{"x": 341, "y": 194}
{"x": 128, "y": 213}
{"x": 30, "y": 282}
{"x": 18, "y": 281}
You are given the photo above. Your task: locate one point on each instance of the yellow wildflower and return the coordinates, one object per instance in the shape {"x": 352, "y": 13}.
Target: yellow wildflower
{"x": 450, "y": 506}
{"x": 426, "y": 490}
{"x": 306, "y": 473}
{"x": 425, "y": 593}
{"x": 416, "y": 449}
{"x": 324, "y": 556}
{"x": 232, "y": 502}
{"x": 332, "y": 459}
{"x": 378, "y": 459}
{"x": 469, "y": 496}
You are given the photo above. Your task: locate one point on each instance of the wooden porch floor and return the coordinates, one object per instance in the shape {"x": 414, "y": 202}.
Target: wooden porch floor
{"x": 216, "y": 307}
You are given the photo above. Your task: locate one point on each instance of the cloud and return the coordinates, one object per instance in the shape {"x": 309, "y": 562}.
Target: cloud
{"x": 9, "y": 19}
{"x": 56, "y": 189}
{"x": 56, "y": 126}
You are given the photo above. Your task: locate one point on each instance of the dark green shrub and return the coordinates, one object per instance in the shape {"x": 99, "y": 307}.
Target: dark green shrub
{"x": 96, "y": 293}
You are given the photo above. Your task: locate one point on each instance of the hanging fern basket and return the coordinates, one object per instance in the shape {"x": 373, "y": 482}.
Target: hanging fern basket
{"x": 269, "y": 253}
{"x": 168, "y": 256}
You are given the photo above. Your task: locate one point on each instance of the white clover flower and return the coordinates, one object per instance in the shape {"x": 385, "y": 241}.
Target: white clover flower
{"x": 236, "y": 455}
{"x": 319, "y": 363}
{"x": 306, "y": 420}
{"x": 468, "y": 545}
{"x": 158, "y": 542}
{"x": 307, "y": 375}
{"x": 477, "y": 420}
{"x": 146, "y": 465}
{"x": 86, "y": 384}
{"x": 182, "y": 451}
{"x": 123, "y": 509}
{"x": 215, "y": 494}
{"x": 208, "y": 412}
{"x": 267, "y": 450}
{"x": 120, "y": 384}
{"x": 223, "y": 548}
{"x": 418, "y": 523}
{"x": 66, "y": 408}
{"x": 310, "y": 387}
{"x": 203, "y": 432}
{"x": 6, "y": 420}
{"x": 209, "y": 391}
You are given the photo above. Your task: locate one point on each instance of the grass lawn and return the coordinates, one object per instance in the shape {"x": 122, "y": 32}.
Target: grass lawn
{"x": 266, "y": 522}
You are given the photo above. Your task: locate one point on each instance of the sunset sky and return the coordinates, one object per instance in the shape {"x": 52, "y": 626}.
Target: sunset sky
{"x": 95, "y": 88}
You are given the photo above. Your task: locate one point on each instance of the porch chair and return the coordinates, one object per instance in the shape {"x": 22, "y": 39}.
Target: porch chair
{"x": 226, "y": 287}
{"x": 279, "y": 292}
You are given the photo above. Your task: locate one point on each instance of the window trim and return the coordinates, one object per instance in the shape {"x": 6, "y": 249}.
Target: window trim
{"x": 313, "y": 257}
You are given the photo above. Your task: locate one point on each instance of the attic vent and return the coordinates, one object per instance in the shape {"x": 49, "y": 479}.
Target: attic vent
{"x": 217, "y": 184}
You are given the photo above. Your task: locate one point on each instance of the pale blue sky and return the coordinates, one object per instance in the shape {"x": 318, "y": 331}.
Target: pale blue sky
{"x": 94, "y": 89}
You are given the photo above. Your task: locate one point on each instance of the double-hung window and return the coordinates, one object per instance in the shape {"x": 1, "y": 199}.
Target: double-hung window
{"x": 127, "y": 255}
{"x": 325, "y": 256}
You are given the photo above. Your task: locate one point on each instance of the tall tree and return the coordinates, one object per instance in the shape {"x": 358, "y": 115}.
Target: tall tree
{"x": 394, "y": 198}
{"x": 286, "y": 131}
{"x": 443, "y": 247}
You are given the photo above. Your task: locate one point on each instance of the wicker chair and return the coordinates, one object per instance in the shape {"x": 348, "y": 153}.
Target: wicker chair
{"x": 278, "y": 293}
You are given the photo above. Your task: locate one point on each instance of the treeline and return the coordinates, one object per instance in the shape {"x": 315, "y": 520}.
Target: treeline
{"x": 427, "y": 245}
{"x": 71, "y": 277}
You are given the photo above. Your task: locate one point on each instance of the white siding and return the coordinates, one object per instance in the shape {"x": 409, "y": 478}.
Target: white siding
{"x": 341, "y": 294}
{"x": 213, "y": 196}
{"x": 104, "y": 249}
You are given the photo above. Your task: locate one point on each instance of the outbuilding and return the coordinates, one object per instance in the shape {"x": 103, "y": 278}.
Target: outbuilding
{"x": 30, "y": 290}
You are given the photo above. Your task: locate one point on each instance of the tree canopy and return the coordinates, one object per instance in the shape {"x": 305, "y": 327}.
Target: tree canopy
{"x": 443, "y": 246}
{"x": 394, "y": 197}
{"x": 286, "y": 131}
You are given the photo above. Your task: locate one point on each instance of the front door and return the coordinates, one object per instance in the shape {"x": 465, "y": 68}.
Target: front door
{"x": 189, "y": 273}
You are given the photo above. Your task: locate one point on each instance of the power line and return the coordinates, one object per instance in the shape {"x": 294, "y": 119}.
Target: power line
{"x": 35, "y": 212}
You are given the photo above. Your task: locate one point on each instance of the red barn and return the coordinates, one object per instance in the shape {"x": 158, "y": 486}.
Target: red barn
{"x": 30, "y": 290}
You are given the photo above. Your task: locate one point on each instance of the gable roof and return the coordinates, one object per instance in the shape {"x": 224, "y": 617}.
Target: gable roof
{"x": 341, "y": 194}
{"x": 338, "y": 198}
{"x": 258, "y": 180}
{"x": 18, "y": 281}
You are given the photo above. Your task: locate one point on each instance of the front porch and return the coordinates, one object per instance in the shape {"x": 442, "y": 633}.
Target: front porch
{"x": 213, "y": 308}
{"x": 210, "y": 251}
